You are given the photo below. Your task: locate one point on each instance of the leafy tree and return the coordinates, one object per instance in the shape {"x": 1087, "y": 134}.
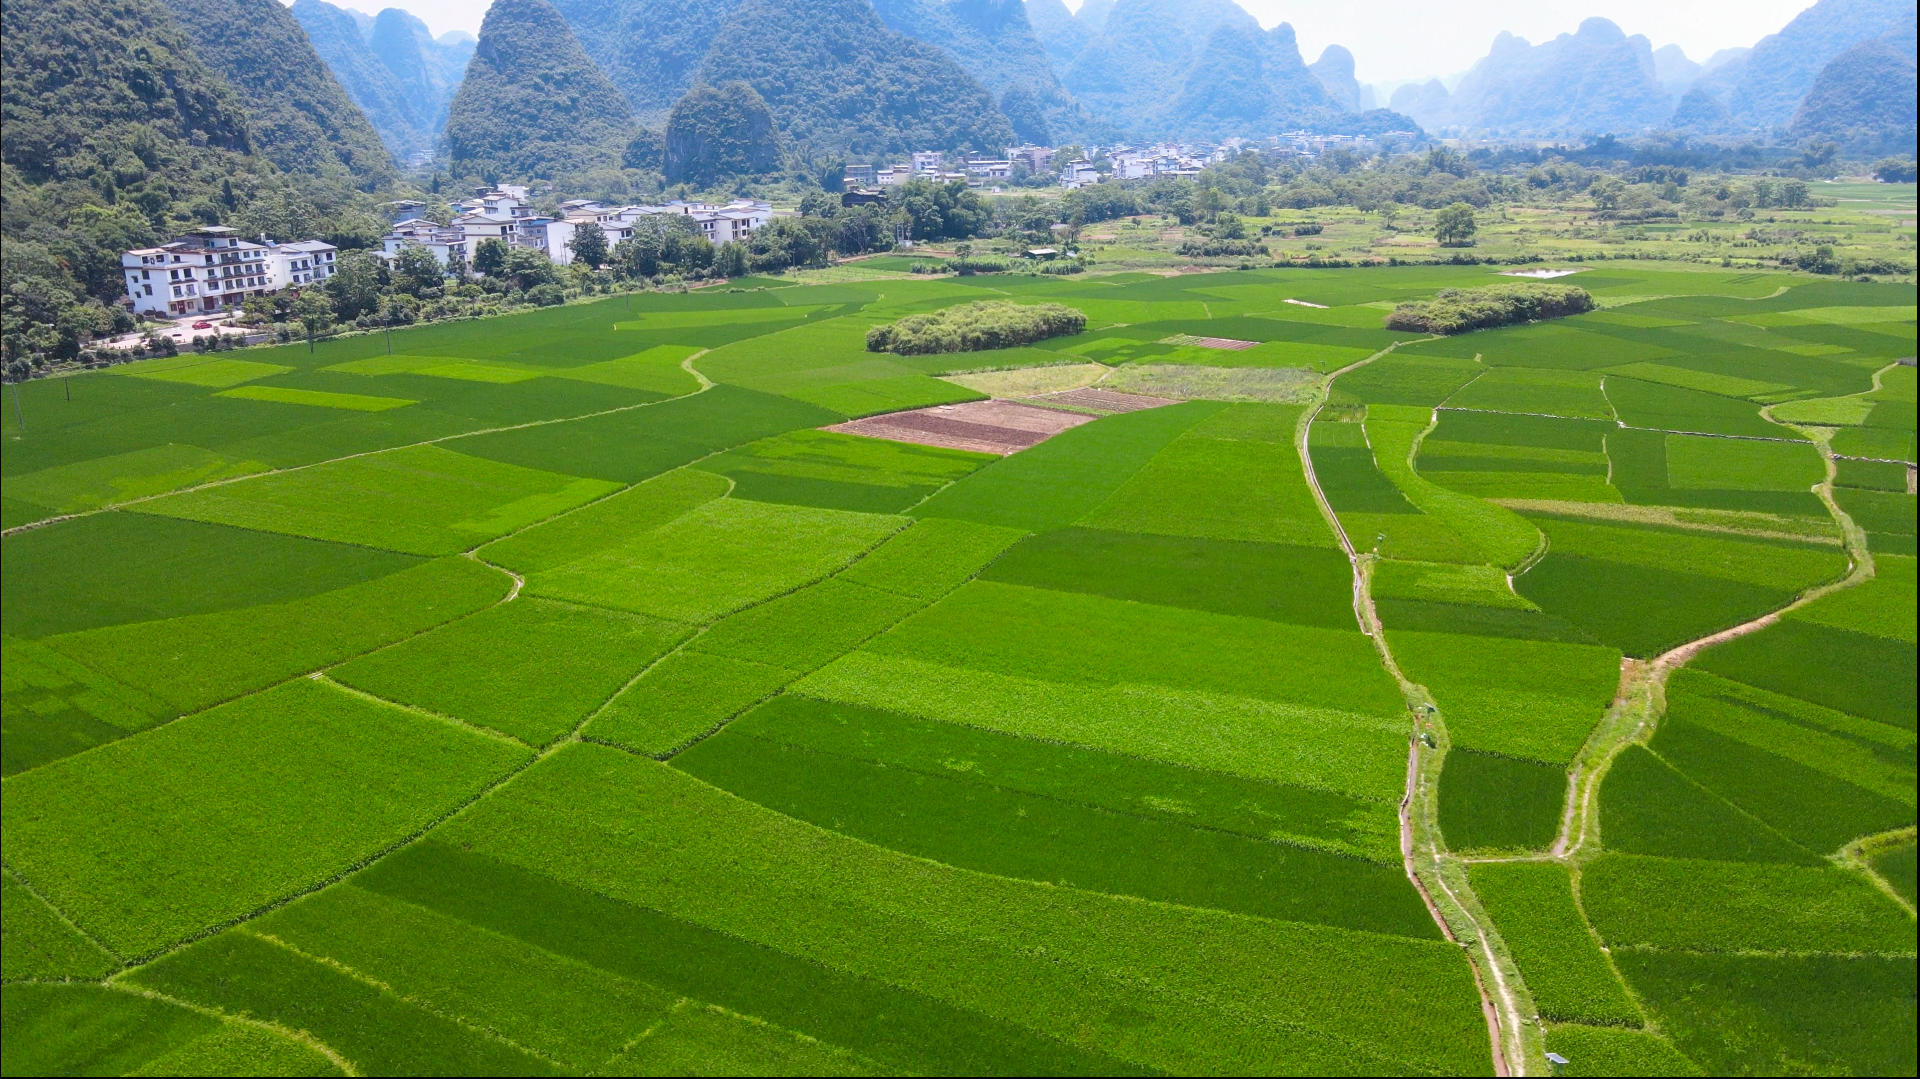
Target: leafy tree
{"x": 314, "y": 312}
{"x": 490, "y": 257}
{"x": 415, "y": 271}
{"x": 1228, "y": 226}
{"x": 940, "y": 211}
{"x": 1894, "y": 170}
{"x": 356, "y": 284}
{"x": 526, "y": 268}
{"x": 730, "y": 260}
{"x": 1454, "y": 225}
{"x": 589, "y": 245}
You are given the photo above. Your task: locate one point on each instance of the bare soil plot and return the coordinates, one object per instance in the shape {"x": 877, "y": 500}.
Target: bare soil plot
{"x": 1230, "y": 344}
{"x": 1095, "y": 399}
{"x": 1001, "y": 427}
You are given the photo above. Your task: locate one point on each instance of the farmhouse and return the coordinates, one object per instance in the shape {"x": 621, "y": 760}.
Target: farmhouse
{"x": 212, "y": 268}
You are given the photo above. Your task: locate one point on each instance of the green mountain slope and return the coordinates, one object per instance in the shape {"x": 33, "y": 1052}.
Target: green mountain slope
{"x": 1596, "y": 80}
{"x": 1763, "y": 89}
{"x": 1201, "y": 68}
{"x": 994, "y": 41}
{"x": 1864, "y": 99}
{"x": 426, "y": 69}
{"x": 838, "y": 80}
{"x": 338, "y": 39}
{"x": 300, "y": 117}
{"x": 533, "y": 104}
{"x": 80, "y": 77}
{"x": 651, "y": 49}
{"x": 1334, "y": 69}
{"x": 1060, "y": 32}
{"x": 718, "y": 132}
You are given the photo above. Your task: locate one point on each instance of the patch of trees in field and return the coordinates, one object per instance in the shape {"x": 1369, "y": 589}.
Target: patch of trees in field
{"x": 1457, "y": 310}
{"x": 975, "y": 326}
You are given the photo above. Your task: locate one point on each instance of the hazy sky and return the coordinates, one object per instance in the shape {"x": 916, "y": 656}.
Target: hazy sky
{"x": 1394, "y": 40}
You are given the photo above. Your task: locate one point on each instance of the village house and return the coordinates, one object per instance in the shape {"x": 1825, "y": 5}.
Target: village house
{"x": 213, "y": 269}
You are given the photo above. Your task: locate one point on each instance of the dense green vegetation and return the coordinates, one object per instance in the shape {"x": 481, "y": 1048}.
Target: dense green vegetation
{"x": 1460, "y": 310}
{"x": 298, "y": 116}
{"x": 719, "y": 132}
{"x": 533, "y": 104}
{"x": 553, "y": 693}
{"x": 807, "y": 59}
{"x": 983, "y": 324}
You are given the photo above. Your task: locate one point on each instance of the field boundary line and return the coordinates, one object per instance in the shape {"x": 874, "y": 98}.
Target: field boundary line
{"x": 1858, "y": 855}
{"x": 1505, "y": 1033}
{"x": 65, "y": 919}
{"x": 349, "y": 971}
{"x": 302, "y": 1037}
{"x": 325, "y": 679}
{"x": 42, "y": 523}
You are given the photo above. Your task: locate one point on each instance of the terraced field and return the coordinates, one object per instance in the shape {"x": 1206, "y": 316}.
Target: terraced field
{"x": 602, "y": 702}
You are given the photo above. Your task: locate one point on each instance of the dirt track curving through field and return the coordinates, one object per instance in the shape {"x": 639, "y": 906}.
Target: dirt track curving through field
{"x": 1497, "y": 1001}
{"x": 1641, "y": 698}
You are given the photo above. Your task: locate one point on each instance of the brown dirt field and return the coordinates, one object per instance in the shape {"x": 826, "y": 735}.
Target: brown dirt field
{"x": 1000, "y": 427}
{"x": 1095, "y": 399}
{"x": 1230, "y": 344}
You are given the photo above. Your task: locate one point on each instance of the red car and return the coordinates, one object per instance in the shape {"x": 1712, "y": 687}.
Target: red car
{"x": 203, "y": 325}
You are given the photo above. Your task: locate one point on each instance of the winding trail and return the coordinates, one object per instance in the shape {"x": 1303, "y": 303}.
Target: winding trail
{"x": 1641, "y": 699}
{"x": 1497, "y": 1000}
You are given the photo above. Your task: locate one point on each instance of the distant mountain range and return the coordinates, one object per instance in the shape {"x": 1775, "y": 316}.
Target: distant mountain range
{"x": 399, "y": 74}
{"x": 1598, "y": 80}
{"x": 555, "y": 88}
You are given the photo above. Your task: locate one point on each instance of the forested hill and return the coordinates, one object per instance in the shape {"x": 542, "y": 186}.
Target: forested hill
{"x": 839, "y": 81}
{"x": 1864, "y": 98}
{"x": 427, "y": 69}
{"x": 995, "y": 43}
{"x": 1763, "y": 90}
{"x": 1595, "y": 79}
{"x": 1205, "y": 69}
{"x": 649, "y": 48}
{"x": 340, "y": 40}
{"x": 115, "y": 133}
{"x": 394, "y": 69}
{"x": 533, "y": 103}
{"x": 299, "y": 116}
{"x": 1062, "y": 33}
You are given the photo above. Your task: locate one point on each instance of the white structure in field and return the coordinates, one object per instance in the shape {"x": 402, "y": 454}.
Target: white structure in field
{"x": 212, "y": 269}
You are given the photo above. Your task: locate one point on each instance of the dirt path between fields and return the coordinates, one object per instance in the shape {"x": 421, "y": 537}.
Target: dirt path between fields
{"x": 1497, "y": 1002}
{"x": 1641, "y": 699}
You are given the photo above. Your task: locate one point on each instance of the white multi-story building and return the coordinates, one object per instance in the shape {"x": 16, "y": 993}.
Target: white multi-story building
{"x": 927, "y": 160}
{"x": 553, "y": 236}
{"x": 1078, "y": 174}
{"x": 447, "y": 244}
{"x": 212, "y": 269}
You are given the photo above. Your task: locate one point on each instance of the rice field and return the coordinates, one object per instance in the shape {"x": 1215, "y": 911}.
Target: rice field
{"x": 582, "y": 692}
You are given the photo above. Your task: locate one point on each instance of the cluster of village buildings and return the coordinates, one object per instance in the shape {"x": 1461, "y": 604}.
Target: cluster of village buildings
{"x": 505, "y": 214}
{"x": 214, "y": 268}
{"x": 1114, "y": 162}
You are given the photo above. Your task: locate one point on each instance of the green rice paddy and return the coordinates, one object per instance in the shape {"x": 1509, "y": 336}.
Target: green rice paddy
{"x": 554, "y": 695}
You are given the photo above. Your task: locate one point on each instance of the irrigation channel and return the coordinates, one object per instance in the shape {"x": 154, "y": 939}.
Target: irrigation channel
{"x": 1518, "y": 1044}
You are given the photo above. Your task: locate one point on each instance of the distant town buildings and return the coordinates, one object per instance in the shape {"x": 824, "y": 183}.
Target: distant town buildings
{"x": 212, "y": 269}
{"x": 505, "y": 214}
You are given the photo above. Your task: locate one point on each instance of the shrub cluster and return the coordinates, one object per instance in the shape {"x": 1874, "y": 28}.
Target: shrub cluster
{"x": 1457, "y": 310}
{"x": 1216, "y": 248}
{"x": 970, "y": 327}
